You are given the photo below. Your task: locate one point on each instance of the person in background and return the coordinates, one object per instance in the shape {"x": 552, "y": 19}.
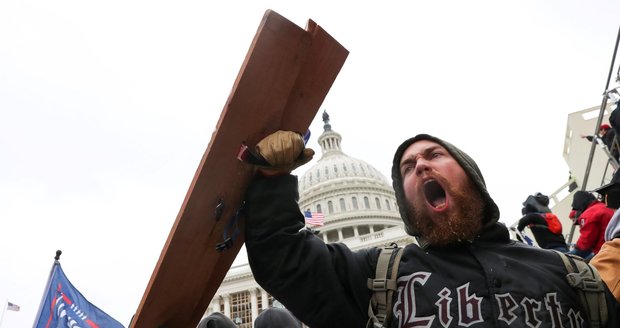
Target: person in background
{"x": 607, "y": 135}
{"x": 216, "y": 320}
{"x": 276, "y": 318}
{"x": 545, "y": 226}
{"x": 592, "y": 216}
{"x": 607, "y": 260}
{"x": 464, "y": 271}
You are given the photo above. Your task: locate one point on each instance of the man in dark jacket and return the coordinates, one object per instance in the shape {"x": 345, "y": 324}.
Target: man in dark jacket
{"x": 607, "y": 135}
{"x": 465, "y": 271}
{"x": 545, "y": 225}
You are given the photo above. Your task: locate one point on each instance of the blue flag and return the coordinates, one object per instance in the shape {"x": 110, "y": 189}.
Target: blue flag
{"x": 63, "y": 306}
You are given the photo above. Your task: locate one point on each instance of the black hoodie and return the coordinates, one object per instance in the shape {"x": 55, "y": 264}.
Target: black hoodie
{"x": 276, "y": 318}
{"x": 490, "y": 281}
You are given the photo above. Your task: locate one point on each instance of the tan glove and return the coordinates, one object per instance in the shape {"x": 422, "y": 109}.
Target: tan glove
{"x": 284, "y": 151}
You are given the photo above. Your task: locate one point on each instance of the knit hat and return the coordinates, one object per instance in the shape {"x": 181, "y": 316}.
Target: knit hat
{"x": 581, "y": 200}
{"x": 276, "y": 318}
{"x": 216, "y": 320}
{"x": 491, "y": 211}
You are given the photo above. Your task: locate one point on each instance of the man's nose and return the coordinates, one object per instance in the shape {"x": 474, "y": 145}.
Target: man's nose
{"x": 421, "y": 166}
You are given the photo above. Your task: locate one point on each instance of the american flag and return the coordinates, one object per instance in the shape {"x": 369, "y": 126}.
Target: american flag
{"x": 314, "y": 218}
{"x": 12, "y": 307}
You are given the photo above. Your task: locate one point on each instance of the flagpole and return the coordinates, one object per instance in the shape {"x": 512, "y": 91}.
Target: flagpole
{"x": 6, "y": 303}
{"x": 47, "y": 286}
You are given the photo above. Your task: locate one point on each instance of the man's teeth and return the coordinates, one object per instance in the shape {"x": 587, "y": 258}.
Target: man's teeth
{"x": 439, "y": 203}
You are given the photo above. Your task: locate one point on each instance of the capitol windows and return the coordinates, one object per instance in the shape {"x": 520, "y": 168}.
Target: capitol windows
{"x": 354, "y": 202}
{"x": 347, "y": 232}
{"x": 378, "y": 203}
{"x": 241, "y": 308}
{"x": 342, "y": 205}
{"x": 363, "y": 230}
{"x": 387, "y": 205}
{"x": 366, "y": 202}
{"x": 318, "y": 208}
{"x": 332, "y": 236}
{"x": 330, "y": 207}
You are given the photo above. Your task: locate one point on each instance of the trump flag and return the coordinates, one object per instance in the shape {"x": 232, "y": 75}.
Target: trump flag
{"x": 64, "y": 306}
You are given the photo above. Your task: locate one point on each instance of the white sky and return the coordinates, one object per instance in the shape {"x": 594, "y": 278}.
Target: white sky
{"x": 107, "y": 107}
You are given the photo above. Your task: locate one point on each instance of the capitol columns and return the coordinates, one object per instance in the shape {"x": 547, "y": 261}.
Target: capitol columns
{"x": 215, "y": 304}
{"x": 254, "y": 302}
{"x": 264, "y": 299}
{"x": 226, "y": 298}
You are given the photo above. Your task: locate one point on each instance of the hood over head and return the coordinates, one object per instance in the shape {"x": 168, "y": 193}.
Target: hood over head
{"x": 491, "y": 211}
{"x": 276, "y": 318}
{"x": 216, "y": 320}
{"x": 537, "y": 203}
{"x": 581, "y": 200}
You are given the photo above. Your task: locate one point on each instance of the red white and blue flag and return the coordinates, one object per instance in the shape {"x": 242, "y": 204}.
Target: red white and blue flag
{"x": 314, "y": 218}
{"x": 64, "y": 306}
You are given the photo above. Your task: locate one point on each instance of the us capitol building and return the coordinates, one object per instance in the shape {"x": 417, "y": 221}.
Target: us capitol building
{"x": 360, "y": 211}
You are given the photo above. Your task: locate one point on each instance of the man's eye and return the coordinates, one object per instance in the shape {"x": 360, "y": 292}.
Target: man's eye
{"x": 406, "y": 169}
{"x": 435, "y": 154}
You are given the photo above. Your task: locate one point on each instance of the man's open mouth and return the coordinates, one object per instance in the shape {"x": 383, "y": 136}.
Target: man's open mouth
{"x": 434, "y": 193}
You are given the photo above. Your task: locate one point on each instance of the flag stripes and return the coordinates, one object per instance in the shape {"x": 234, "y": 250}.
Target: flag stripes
{"x": 314, "y": 218}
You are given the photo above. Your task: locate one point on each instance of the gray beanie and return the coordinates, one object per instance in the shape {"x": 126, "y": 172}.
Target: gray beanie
{"x": 491, "y": 211}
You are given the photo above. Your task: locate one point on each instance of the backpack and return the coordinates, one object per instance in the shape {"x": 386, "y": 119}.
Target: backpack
{"x": 590, "y": 288}
{"x": 581, "y": 276}
{"x": 553, "y": 223}
{"x": 380, "y": 305}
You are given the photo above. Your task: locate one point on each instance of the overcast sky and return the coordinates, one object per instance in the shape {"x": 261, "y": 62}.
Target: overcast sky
{"x": 107, "y": 108}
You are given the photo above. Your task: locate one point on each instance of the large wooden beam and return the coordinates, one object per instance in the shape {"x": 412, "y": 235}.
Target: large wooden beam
{"x": 281, "y": 85}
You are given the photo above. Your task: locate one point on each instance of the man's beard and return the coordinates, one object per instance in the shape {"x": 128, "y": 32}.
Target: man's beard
{"x": 462, "y": 222}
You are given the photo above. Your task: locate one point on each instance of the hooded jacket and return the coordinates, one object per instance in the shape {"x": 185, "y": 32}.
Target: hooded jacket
{"x": 276, "y": 318}
{"x": 490, "y": 281}
{"x": 593, "y": 222}
{"x": 491, "y": 212}
{"x": 216, "y": 320}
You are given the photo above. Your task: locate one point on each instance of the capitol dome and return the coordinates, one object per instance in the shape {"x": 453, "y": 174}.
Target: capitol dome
{"x": 357, "y": 201}
{"x": 359, "y": 209}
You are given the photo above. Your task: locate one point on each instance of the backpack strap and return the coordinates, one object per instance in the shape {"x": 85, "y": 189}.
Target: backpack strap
{"x": 380, "y": 306}
{"x": 590, "y": 287}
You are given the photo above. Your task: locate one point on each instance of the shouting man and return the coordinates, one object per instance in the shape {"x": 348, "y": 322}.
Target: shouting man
{"x": 464, "y": 272}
